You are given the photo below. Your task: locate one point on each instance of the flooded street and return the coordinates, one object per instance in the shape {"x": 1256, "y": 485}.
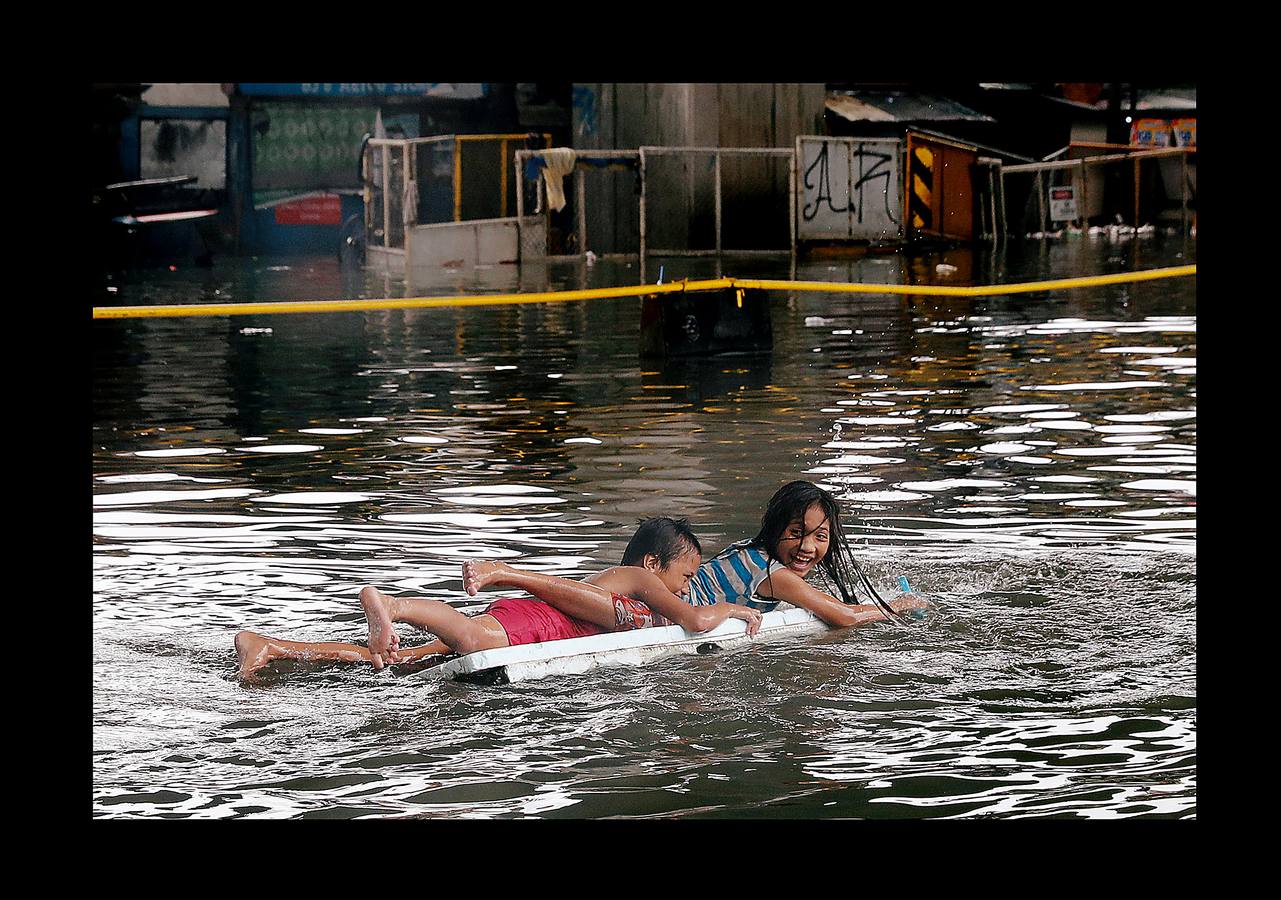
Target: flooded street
{"x": 1028, "y": 462}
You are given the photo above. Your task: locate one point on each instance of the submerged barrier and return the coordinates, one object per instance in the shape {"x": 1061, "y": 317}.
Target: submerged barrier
{"x": 641, "y": 290}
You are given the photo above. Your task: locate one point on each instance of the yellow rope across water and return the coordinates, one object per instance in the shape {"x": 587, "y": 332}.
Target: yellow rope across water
{"x": 643, "y": 290}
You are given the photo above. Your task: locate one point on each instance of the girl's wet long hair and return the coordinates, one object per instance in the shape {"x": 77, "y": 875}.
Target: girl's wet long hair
{"x": 790, "y": 503}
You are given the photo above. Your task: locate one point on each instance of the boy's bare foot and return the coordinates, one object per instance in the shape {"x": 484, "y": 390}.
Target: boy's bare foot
{"x": 479, "y": 573}
{"x": 383, "y": 640}
{"x": 253, "y": 651}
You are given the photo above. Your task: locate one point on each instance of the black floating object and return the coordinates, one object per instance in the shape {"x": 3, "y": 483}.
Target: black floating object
{"x": 487, "y": 677}
{"x": 731, "y": 320}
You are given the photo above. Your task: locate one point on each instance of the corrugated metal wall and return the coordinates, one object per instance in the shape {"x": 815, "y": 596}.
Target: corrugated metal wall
{"x": 620, "y": 116}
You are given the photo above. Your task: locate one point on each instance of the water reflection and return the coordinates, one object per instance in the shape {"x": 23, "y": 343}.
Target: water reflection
{"x": 1019, "y": 458}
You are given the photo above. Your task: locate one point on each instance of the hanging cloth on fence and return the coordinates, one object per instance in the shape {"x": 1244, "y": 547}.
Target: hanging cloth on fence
{"x": 410, "y": 213}
{"x": 559, "y": 163}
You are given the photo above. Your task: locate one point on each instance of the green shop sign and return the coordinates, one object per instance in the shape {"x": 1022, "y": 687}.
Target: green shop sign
{"x": 300, "y": 147}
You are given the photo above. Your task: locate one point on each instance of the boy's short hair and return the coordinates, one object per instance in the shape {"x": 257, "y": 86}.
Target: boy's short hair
{"x": 663, "y": 536}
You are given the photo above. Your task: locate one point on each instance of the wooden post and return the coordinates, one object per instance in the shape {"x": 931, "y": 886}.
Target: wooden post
{"x": 503, "y": 212}
{"x": 580, "y": 201}
{"x": 1001, "y": 206}
{"x": 991, "y": 197}
{"x": 367, "y": 194}
{"x": 458, "y": 180}
{"x": 717, "y": 166}
{"x": 791, "y": 206}
{"x": 643, "y": 249}
{"x": 1040, "y": 199}
{"x": 520, "y": 189}
{"x": 386, "y": 190}
{"x": 1085, "y": 204}
{"x": 1137, "y": 163}
{"x": 1183, "y": 187}
{"x": 406, "y": 195}
{"x": 409, "y": 210}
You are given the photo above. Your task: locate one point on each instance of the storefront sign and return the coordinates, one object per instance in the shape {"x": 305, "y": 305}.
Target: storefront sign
{"x": 448, "y": 90}
{"x": 303, "y": 147}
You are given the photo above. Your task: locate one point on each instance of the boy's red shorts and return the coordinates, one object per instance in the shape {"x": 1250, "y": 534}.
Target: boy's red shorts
{"x": 529, "y": 621}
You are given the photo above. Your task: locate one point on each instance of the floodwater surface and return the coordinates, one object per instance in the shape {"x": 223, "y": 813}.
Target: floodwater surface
{"x": 1028, "y": 462}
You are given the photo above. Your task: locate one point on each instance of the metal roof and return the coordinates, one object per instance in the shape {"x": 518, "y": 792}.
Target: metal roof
{"x": 899, "y": 106}
{"x": 1164, "y": 99}
{"x": 1168, "y": 98}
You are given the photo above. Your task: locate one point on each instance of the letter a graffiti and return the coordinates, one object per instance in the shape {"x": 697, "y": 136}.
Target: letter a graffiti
{"x": 808, "y": 212}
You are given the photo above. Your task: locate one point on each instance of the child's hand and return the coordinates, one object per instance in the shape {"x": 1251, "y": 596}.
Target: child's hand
{"x": 750, "y": 616}
{"x": 909, "y": 601}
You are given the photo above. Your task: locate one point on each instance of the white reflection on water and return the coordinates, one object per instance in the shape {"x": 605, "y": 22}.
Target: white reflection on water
{"x": 147, "y": 477}
{"x": 1093, "y": 386}
{"x": 1035, "y": 767}
{"x": 281, "y": 448}
{"x": 139, "y": 498}
{"x": 181, "y": 451}
{"x": 314, "y": 497}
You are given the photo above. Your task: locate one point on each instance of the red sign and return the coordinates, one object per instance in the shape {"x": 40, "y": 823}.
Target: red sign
{"x": 324, "y": 210}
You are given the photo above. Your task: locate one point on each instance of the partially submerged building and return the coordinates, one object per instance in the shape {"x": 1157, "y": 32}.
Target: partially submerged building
{"x": 497, "y": 172}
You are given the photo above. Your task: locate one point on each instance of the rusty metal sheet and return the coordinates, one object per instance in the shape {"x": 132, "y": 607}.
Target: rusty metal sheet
{"x": 940, "y": 188}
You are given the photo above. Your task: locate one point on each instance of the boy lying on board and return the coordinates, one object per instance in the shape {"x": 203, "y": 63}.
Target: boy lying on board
{"x": 661, "y": 558}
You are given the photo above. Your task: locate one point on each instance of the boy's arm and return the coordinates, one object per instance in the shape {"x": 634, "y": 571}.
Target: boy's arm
{"x": 641, "y": 584}
{"x": 579, "y": 599}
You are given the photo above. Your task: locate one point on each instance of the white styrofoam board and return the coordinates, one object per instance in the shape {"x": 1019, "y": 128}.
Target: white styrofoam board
{"x": 624, "y": 648}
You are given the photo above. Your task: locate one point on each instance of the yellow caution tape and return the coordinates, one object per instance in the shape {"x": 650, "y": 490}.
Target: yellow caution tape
{"x": 644, "y": 290}
{"x": 985, "y": 290}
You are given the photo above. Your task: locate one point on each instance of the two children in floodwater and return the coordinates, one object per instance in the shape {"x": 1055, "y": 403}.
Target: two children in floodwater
{"x": 662, "y": 580}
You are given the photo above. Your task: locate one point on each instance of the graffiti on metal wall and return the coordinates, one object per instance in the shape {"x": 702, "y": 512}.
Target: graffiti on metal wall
{"x": 849, "y": 188}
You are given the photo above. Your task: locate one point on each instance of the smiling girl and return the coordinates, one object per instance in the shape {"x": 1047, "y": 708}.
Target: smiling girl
{"x": 800, "y": 534}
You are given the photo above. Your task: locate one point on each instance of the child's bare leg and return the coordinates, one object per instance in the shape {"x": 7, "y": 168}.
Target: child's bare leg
{"x": 256, "y": 650}
{"x": 581, "y": 600}
{"x": 457, "y": 633}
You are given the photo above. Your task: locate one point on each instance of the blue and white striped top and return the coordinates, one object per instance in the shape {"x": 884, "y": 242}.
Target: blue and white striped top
{"x": 732, "y": 576}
